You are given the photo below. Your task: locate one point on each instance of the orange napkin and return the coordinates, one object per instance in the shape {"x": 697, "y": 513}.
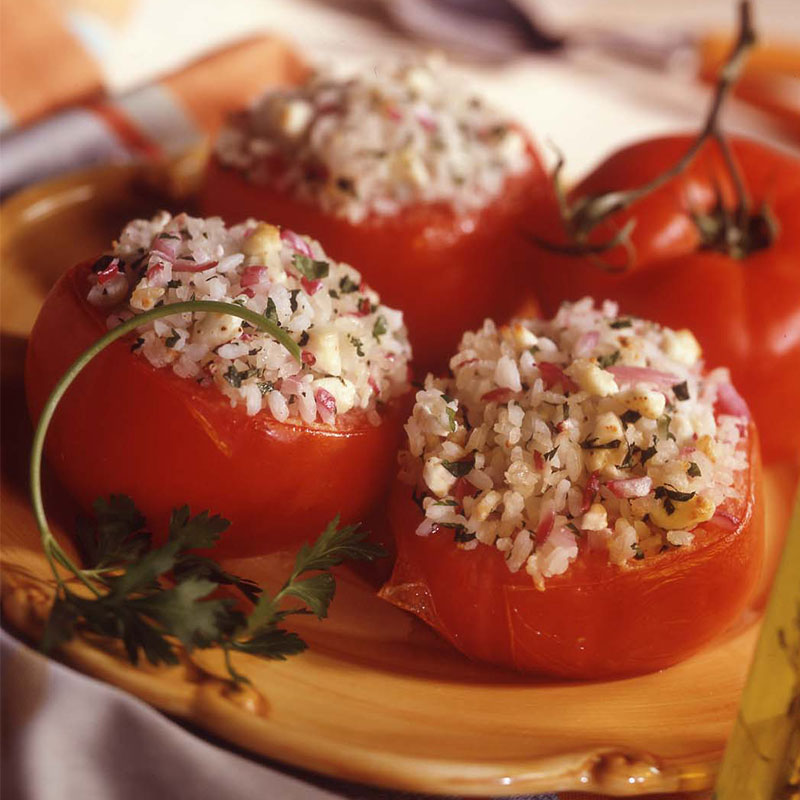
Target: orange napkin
{"x": 57, "y": 115}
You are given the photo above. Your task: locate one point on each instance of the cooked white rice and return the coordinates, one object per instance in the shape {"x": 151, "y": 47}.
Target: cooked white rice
{"x": 589, "y": 426}
{"x": 355, "y": 351}
{"x": 393, "y": 136}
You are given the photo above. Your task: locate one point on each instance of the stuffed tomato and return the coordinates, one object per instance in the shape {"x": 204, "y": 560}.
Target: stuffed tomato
{"x": 403, "y": 174}
{"x": 208, "y": 410}
{"x": 579, "y": 499}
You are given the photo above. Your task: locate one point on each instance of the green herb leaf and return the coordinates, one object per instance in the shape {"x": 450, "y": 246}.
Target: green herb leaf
{"x": 693, "y": 471}
{"x": 271, "y": 312}
{"x": 200, "y": 532}
{"x": 548, "y": 456}
{"x": 347, "y": 285}
{"x": 663, "y": 427}
{"x": 115, "y": 536}
{"x": 379, "y": 328}
{"x": 673, "y": 494}
{"x": 592, "y": 444}
{"x": 648, "y": 453}
{"x": 459, "y": 468}
{"x": 608, "y": 361}
{"x": 194, "y": 566}
{"x": 620, "y": 323}
{"x": 273, "y": 643}
{"x": 316, "y": 592}
{"x": 681, "y": 390}
{"x": 309, "y": 268}
{"x": 631, "y": 416}
{"x": 357, "y": 344}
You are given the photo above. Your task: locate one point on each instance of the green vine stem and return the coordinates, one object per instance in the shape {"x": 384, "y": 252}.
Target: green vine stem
{"x": 582, "y": 216}
{"x": 54, "y": 553}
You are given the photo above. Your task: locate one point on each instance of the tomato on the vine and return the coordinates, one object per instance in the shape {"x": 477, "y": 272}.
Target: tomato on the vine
{"x": 697, "y": 259}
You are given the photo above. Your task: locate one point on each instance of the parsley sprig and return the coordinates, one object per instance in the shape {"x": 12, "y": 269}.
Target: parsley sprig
{"x": 152, "y": 598}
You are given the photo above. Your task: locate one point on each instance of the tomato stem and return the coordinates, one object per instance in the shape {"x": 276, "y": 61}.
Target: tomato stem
{"x": 52, "y": 549}
{"x": 583, "y": 215}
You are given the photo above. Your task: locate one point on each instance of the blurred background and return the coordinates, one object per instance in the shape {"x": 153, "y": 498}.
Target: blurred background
{"x": 586, "y": 75}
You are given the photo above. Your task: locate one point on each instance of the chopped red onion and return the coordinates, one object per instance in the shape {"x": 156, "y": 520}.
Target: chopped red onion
{"x": 296, "y": 242}
{"x": 729, "y": 401}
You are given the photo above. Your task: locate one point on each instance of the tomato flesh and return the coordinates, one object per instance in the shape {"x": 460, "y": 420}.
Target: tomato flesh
{"x": 446, "y": 273}
{"x": 595, "y": 621}
{"x": 125, "y": 426}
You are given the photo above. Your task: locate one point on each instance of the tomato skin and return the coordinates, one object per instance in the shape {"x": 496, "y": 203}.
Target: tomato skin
{"x": 595, "y": 621}
{"x": 745, "y": 313}
{"x": 125, "y": 426}
{"x": 422, "y": 261}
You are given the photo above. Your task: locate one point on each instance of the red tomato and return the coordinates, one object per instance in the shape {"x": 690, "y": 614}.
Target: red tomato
{"x": 745, "y": 312}
{"x": 446, "y": 273}
{"x": 125, "y": 426}
{"x": 597, "y": 620}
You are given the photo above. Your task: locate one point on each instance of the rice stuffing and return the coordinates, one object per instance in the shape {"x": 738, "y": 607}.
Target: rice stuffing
{"x": 590, "y": 430}
{"x": 355, "y": 351}
{"x": 392, "y": 136}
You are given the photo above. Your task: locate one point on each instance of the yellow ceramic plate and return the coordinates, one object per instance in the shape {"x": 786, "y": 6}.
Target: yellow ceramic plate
{"x": 378, "y": 698}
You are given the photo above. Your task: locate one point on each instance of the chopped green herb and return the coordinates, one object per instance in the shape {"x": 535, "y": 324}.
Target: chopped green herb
{"x": 451, "y": 416}
{"x": 681, "y": 390}
{"x": 174, "y": 283}
{"x": 649, "y": 452}
{"x": 348, "y": 285}
{"x": 303, "y": 340}
{"x": 310, "y": 268}
{"x": 357, "y": 343}
{"x": 293, "y": 299}
{"x": 271, "y": 312}
{"x": 235, "y": 377}
{"x": 137, "y": 344}
{"x": 627, "y": 462}
{"x": 550, "y": 453}
{"x": 460, "y": 533}
{"x": 638, "y": 552}
{"x": 663, "y": 427}
{"x": 333, "y": 293}
{"x": 631, "y": 416}
{"x": 620, "y": 323}
{"x": 592, "y": 444}
{"x": 379, "y": 328}
{"x": 265, "y": 387}
{"x": 693, "y": 471}
{"x": 673, "y": 494}
{"x": 346, "y": 185}
{"x": 459, "y": 468}
{"x": 172, "y": 339}
{"x": 445, "y": 503}
{"x": 608, "y": 361}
